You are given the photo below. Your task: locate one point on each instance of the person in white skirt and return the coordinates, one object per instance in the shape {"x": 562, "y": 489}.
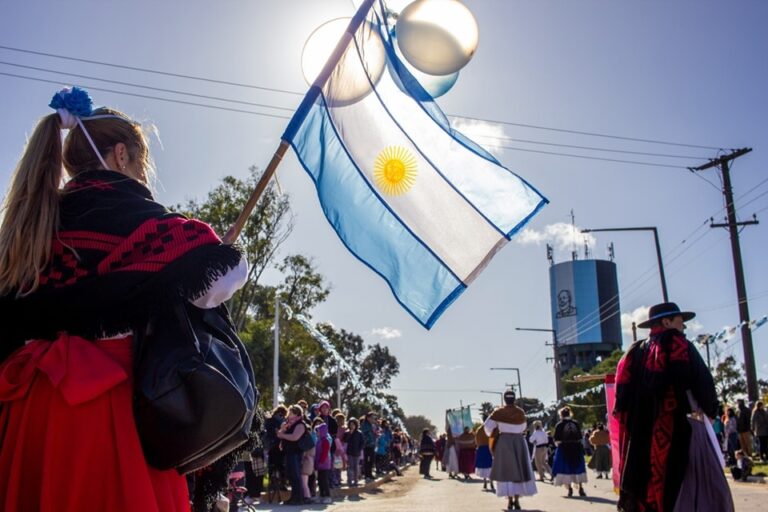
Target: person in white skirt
{"x": 483, "y": 457}
{"x": 511, "y": 467}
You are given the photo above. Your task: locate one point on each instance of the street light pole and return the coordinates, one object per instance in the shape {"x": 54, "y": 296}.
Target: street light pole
{"x": 558, "y": 383}
{"x": 519, "y": 384}
{"x": 501, "y": 395}
{"x": 276, "y": 356}
{"x": 664, "y": 293}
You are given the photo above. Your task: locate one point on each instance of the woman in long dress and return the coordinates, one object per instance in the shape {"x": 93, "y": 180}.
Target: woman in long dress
{"x": 601, "y": 459}
{"x": 483, "y": 457}
{"x": 511, "y": 468}
{"x": 465, "y": 445}
{"x": 569, "y": 468}
{"x": 450, "y": 457}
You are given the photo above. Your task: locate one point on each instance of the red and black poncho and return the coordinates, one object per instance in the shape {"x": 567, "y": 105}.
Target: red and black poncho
{"x": 118, "y": 254}
{"x": 651, "y": 405}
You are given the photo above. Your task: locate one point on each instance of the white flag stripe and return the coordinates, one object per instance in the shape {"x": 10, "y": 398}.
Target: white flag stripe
{"x": 499, "y": 194}
{"x": 431, "y": 209}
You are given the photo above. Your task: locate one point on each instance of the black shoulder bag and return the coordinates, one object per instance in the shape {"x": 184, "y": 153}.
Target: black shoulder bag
{"x": 194, "y": 389}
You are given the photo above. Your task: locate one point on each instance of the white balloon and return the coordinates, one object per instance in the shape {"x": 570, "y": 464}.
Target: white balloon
{"x": 351, "y": 83}
{"x": 435, "y": 85}
{"x": 438, "y": 37}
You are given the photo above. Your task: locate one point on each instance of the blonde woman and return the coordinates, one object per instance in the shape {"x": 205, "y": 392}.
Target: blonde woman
{"x": 81, "y": 266}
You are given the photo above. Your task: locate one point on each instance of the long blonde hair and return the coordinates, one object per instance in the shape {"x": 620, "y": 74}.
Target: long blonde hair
{"x": 31, "y": 207}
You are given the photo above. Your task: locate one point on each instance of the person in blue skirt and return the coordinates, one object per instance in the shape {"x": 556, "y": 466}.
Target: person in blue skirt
{"x": 483, "y": 457}
{"x": 569, "y": 467}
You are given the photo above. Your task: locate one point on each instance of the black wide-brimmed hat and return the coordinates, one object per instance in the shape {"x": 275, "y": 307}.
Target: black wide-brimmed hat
{"x": 665, "y": 309}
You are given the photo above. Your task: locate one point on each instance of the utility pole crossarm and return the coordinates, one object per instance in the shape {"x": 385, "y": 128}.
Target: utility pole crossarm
{"x": 742, "y": 223}
{"x": 717, "y": 162}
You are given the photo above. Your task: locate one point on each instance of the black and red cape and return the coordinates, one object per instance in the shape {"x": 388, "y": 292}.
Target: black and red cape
{"x": 652, "y": 381}
{"x": 117, "y": 255}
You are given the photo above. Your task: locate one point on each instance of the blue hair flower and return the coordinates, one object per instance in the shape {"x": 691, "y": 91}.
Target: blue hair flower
{"x": 74, "y": 99}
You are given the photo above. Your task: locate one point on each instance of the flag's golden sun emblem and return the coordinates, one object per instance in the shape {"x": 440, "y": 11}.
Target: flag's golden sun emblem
{"x": 394, "y": 170}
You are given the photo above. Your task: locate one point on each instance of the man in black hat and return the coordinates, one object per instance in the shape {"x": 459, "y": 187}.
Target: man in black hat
{"x": 652, "y": 384}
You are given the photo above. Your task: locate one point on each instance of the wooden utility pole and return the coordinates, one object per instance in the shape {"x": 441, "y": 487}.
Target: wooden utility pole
{"x": 741, "y": 289}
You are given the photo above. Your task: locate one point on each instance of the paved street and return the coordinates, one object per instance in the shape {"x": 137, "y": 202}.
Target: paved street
{"x": 414, "y": 494}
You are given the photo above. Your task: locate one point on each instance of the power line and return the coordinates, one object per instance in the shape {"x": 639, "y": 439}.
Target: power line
{"x": 754, "y": 199}
{"x": 296, "y": 93}
{"x": 590, "y": 148}
{"x": 146, "y": 70}
{"x": 262, "y": 105}
{"x": 149, "y": 87}
{"x": 578, "y": 132}
{"x": 632, "y": 289}
{"x": 587, "y": 157}
{"x": 214, "y": 107}
{"x": 593, "y": 319}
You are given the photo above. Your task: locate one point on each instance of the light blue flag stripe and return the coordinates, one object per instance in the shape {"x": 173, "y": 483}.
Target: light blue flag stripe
{"x": 421, "y": 283}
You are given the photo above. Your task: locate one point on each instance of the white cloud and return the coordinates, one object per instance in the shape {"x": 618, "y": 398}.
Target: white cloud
{"x": 387, "y": 333}
{"x": 485, "y": 134}
{"x": 436, "y": 367}
{"x": 637, "y": 315}
{"x": 562, "y": 235}
{"x": 640, "y": 314}
{"x": 693, "y": 327}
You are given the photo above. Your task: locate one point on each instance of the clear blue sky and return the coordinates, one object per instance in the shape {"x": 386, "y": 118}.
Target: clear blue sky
{"x": 690, "y": 71}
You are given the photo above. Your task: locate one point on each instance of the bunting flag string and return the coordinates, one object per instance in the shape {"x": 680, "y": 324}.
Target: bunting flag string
{"x": 726, "y": 333}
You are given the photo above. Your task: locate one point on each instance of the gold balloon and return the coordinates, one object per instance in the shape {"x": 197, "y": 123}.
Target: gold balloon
{"x": 438, "y": 37}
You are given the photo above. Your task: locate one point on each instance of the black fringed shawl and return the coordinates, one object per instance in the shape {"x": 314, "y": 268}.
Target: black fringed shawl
{"x": 116, "y": 255}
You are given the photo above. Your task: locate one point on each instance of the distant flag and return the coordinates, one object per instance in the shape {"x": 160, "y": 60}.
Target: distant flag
{"x": 416, "y": 201}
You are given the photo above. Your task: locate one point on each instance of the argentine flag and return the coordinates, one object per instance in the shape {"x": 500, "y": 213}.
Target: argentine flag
{"x": 420, "y": 204}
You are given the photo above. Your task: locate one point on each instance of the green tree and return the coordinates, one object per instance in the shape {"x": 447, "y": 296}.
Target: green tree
{"x": 590, "y": 408}
{"x": 267, "y": 229}
{"x": 303, "y": 287}
{"x": 729, "y": 379}
{"x": 416, "y": 424}
{"x": 530, "y": 405}
{"x": 486, "y": 408}
{"x": 375, "y": 366}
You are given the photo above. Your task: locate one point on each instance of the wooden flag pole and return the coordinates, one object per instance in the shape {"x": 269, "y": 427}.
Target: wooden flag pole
{"x": 239, "y": 224}
{"x": 314, "y": 91}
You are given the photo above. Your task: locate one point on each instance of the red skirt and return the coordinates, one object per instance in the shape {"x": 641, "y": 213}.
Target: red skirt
{"x": 68, "y": 441}
{"x": 467, "y": 461}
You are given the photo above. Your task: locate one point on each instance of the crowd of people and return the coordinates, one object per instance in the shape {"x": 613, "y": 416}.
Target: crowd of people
{"x": 311, "y": 449}
{"x": 743, "y": 435}
{"x": 516, "y": 448}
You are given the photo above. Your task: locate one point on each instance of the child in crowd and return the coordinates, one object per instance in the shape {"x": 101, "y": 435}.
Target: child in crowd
{"x": 743, "y": 467}
{"x": 340, "y": 453}
{"x": 323, "y": 462}
{"x": 355, "y": 442}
